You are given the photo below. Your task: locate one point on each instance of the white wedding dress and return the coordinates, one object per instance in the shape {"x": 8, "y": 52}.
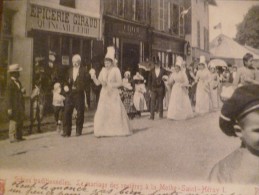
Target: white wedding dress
{"x": 179, "y": 107}
{"x": 111, "y": 118}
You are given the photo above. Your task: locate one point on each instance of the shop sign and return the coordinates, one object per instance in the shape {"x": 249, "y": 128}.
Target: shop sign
{"x": 126, "y": 30}
{"x": 57, "y": 20}
{"x": 164, "y": 44}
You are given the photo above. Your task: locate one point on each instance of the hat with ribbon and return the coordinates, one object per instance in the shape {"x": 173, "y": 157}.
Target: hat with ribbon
{"x": 14, "y": 68}
{"x": 243, "y": 101}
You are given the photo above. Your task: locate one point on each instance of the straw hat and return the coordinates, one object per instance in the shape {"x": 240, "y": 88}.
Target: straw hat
{"x": 14, "y": 68}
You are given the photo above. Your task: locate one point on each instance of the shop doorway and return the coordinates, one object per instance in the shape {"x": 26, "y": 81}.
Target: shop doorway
{"x": 130, "y": 58}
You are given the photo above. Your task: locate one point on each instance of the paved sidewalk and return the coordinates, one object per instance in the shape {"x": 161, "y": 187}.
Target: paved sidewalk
{"x": 47, "y": 125}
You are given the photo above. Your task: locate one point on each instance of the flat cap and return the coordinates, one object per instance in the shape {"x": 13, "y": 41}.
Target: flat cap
{"x": 244, "y": 100}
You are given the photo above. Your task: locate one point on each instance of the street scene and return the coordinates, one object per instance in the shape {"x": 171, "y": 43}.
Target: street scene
{"x": 139, "y": 89}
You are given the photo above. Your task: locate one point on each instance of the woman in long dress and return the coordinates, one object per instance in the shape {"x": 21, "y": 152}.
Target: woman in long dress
{"x": 203, "y": 91}
{"x": 111, "y": 117}
{"x": 179, "y": 107}
{"x": 214, "y": 85}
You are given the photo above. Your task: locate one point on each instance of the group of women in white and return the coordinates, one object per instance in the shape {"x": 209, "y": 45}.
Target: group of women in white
{"x": 111, "y": 117}
{"x": 207, "y": 80}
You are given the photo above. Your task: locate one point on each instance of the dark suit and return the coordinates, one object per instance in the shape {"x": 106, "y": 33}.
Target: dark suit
{"x": 157, "y": 88}
{"x": 75, "y": 98}
{"x": 15, "y": 102}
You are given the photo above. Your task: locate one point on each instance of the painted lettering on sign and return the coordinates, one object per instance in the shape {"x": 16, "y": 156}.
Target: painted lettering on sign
{"x": 57, "y": 20}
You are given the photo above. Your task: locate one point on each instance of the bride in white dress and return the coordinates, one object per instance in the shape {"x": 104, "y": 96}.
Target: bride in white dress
{"x": 111, "y": 118}
{"x": 179, "y": 107}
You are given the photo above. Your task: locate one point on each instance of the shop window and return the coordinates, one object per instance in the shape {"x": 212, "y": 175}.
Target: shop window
{"x": 68, "y": 3}
{"x": 5, "y": 50}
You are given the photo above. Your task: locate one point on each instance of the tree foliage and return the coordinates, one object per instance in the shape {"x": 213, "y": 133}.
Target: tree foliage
{"x": 248, "y": 29}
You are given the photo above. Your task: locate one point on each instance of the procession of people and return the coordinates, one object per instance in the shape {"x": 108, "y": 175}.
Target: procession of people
{"x": 187, "y": 91}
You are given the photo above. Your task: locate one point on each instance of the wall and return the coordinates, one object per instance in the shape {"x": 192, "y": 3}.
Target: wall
{"x": 201, "y": 14}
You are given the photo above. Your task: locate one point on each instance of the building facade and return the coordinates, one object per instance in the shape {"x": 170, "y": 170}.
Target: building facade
{"x": 197, "y": 29}
{"x": 126, "y": 24}
{"x": 168, "y": 32}
{"x": 36, "y": 30}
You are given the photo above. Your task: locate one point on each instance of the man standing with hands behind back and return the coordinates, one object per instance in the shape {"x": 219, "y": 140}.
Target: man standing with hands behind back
{"x": 75, "y": 87}
{"x": 157, "y": 88}
{"x": 15, "y": 103}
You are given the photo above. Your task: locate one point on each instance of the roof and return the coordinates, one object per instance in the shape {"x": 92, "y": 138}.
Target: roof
{"x": 256, "y": 51}
{"x": 225, "y": 47}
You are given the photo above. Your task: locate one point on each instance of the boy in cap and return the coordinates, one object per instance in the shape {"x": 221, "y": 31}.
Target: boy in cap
{"x": 240, "y": 118}
{"x": 15, "y": 103}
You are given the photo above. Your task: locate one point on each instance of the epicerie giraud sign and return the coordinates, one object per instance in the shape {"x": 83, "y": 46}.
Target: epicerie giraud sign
{"x": 58, "y": 20}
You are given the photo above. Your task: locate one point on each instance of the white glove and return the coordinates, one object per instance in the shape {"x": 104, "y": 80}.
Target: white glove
{"x": 66, "y": 89}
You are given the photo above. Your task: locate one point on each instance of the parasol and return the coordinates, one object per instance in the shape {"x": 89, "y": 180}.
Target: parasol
{"x": 217, "y": 63}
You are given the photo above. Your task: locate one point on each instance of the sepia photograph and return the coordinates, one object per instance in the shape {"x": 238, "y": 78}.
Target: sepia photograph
{"x": 134, "y": 97}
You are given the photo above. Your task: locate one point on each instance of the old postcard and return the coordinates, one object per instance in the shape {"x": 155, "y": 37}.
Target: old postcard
{"x": 140, "y": 97}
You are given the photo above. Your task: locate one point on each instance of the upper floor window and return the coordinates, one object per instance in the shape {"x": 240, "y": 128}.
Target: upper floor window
{"x": 181, "y": 21}
{"x": 161, "y": 15}
{"x": 68, "y": 3}
{"x": 175, "y": 19}
{"x": 198, "y": 35}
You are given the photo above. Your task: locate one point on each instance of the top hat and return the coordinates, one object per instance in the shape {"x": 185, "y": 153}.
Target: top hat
{"x": 14, "y": 68}
{"x": 156, "y": 59}
{"x": 110, "y": 53}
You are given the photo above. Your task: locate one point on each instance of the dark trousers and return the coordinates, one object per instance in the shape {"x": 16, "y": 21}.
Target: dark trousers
{"x": 157, "y": 96}
{"x": 58, "y": 113}
{"x": 77, "y": 101}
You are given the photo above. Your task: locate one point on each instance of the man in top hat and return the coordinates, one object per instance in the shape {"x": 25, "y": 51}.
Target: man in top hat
{"x": 156, "y": 87}
{"x": 77, "y": 84}
{"x": 15, "y": 103}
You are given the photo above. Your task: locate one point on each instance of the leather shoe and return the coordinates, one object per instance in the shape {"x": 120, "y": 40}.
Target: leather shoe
{"x": 151, "y": 118}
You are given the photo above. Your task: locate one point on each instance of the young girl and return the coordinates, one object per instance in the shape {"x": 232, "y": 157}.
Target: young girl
{"x": 127, "y": 93}
{"x": 140, "y": 90}
{"x": 58, "y": 104}
{"x": 239, "y": 117}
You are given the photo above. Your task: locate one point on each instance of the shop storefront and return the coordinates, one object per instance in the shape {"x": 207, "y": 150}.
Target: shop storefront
{"x": 130, "y": 40}
{"x": 42, "y": 37}
{"x": 167, "y": 47}
{"x": 58, "y": 34}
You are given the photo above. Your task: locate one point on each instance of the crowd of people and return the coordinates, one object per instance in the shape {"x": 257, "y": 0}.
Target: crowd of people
{"x": 184, "y": 92}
